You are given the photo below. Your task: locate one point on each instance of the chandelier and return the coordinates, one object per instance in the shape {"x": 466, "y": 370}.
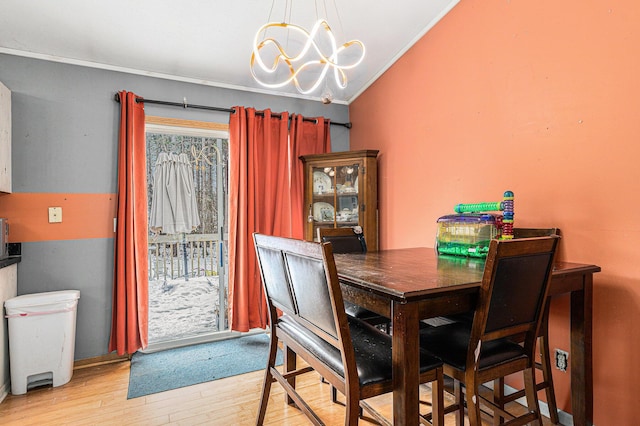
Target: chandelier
{"x": 285, "y": 53}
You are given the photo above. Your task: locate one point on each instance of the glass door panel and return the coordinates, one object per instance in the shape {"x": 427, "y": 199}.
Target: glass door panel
{"x": 188, "y": 270}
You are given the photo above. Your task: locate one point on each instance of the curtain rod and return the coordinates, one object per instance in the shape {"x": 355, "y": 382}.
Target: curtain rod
{"x": 184, "y": 104}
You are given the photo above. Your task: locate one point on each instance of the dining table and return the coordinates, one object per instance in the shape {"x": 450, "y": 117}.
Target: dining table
{"x": 412, "y": 284}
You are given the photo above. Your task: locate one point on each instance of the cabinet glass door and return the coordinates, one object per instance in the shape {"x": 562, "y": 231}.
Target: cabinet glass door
{"x": 335, "y": 197}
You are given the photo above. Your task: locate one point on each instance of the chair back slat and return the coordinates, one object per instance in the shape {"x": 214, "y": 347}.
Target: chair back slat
{"x": 518, "y": 289}
{"x": 514, "y": 287}
{"x": 344, "y": 240}
{"x": 311, "y": 292}
{"x": 534, "y": 232}
{"x": 275, "y": 280}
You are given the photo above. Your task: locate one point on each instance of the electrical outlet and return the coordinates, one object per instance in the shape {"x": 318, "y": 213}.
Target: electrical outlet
{"x": 562, "y": 360}
{"x": 55, "y": 214}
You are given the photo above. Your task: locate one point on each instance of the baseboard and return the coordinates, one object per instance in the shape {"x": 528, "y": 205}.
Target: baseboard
{"x": 99, "y": 360}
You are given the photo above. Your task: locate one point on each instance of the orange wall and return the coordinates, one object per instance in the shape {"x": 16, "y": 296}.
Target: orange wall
{"x": 541, "y": 98}
{"x": 83, "y": 216}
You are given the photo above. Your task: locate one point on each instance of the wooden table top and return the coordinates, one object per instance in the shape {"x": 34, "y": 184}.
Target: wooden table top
{"x": 405, "y": 274}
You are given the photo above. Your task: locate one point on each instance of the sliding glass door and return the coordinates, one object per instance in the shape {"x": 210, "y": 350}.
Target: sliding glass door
{"x": 187, "y": 166}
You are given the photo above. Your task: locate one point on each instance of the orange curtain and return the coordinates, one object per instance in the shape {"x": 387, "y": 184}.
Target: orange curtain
{"x": 264, "y": 185}
{"x": 129, "y": 316}
{"x": 307, "y": 137}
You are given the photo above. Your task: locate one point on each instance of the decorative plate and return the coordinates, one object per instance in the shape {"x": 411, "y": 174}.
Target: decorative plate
{"x": 323, "y": 212}
{"x": 321, "y": 183}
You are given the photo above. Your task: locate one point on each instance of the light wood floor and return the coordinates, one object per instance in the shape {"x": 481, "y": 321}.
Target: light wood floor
{"x": 98, "y": 396}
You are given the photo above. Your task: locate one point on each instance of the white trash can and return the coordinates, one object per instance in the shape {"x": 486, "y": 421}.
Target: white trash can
{"x": 42, "y": 337}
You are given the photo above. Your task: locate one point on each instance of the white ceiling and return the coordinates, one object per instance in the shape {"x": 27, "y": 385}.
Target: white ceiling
{"x": 207, "y": 42}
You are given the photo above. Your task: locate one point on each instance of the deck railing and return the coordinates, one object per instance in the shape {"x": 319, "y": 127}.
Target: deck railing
{"x": 189, "y": 255}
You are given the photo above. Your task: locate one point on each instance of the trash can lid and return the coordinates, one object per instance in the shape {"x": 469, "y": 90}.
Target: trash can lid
{"x": 37, "y": 299}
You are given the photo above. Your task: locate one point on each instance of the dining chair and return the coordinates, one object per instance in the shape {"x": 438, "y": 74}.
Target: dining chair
{"x": 545, "y": 363}
{"x": 349, "y": 240}
{"x": 511, "y": 303}
{"x": 300, "y": 279}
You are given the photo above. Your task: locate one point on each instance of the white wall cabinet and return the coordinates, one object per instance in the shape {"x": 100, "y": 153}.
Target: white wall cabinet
{"x": 8, "y": 290}
{"x": 5, "y": 139}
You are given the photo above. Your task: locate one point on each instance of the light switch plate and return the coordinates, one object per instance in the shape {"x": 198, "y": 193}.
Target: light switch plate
{"x": 55, "y": 214}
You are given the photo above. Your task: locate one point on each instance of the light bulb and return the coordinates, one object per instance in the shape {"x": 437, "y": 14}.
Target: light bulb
{"x": 327, "y": 95}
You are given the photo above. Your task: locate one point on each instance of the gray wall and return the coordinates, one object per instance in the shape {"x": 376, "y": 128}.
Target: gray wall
{"x": 64, "y": 131}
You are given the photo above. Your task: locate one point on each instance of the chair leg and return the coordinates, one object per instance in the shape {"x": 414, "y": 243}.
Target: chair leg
{"x": 532, "y": 393}
{"x": 264, "y": 397}
{"x": 289, "y": 365}
{"x": 437, "y": 399}
{"x": 545, "y": 360}
{"x": 268, "y": 380}
{"x": 498, "y": 399}
{"x": 457, "y": 392}
{"x": 473, "y": 399}
{"x": 334, "y": 391}
{"x": 353, "y": 411}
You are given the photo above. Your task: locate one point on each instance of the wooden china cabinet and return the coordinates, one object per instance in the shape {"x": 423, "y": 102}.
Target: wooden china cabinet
{"x": 341, "y": 190}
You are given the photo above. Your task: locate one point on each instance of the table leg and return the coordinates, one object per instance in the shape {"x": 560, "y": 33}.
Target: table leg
{"x": 581, "y": 358}
{"x": 406, "y": 362}
{"x": 290, "y": 362}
